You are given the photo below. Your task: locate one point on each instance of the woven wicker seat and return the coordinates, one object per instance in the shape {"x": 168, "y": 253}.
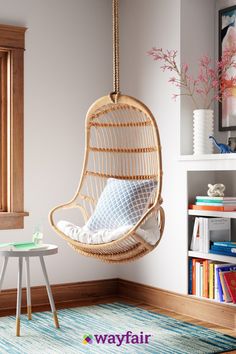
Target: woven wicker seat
{"x": 122, "y": 141}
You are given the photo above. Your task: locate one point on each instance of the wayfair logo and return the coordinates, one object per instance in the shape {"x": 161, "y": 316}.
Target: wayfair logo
{"x": 87, "y": 339}
{"x": 117, "y": 339}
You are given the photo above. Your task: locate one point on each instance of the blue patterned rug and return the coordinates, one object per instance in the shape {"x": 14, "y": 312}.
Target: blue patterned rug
{"x": 109, "y": 328}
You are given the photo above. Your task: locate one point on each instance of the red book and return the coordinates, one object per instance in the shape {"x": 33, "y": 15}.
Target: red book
{"x": 230, "y": 280}
{"x": 227, "y": 296}
{"x": 212, "y": 208}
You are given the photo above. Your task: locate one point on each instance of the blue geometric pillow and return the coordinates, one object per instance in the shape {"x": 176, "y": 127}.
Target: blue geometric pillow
{"x": 122, "y": 202}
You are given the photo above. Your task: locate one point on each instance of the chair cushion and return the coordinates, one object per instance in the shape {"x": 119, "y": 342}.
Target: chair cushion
{"x": 122, "y": 202}
{"x": 149, "y": 231}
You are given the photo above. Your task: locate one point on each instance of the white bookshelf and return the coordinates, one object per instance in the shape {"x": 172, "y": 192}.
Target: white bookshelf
{"x": 218, "y": 214}
{"x": 197, "y": 182}
{"x": 213, "y": 257}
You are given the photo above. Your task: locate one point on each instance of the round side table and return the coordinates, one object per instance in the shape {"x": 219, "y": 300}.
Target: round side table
{"x": 20, "y": 254}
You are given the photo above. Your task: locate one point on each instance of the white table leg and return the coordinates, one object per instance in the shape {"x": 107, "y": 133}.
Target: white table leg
{"x": 28, "y": 294}
{"x": 3, "y": 271}
{"x": 18, "y": 304}
{"x": 49, "y": 291}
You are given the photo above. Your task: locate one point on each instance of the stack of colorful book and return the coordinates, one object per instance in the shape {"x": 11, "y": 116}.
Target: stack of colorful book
{"x": 223, "y": 248}
{"x": 214, "y": 203}
{"x": 212, "y": 280}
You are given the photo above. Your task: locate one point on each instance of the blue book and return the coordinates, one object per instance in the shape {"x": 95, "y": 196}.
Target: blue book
{"x": 210, "y": 204}
{"x": 223, "y": 249}
{"x": 209, "y": 201}
{"x": 223, "y": 253}
{"x": 222, "y": 268}
{"x": 216, "y": 199}
{"x": 190, "y": 270}
{"x": 225, "y": 244}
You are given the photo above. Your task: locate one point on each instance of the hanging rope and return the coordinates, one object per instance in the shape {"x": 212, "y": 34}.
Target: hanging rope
{"x": 116, "y": 64}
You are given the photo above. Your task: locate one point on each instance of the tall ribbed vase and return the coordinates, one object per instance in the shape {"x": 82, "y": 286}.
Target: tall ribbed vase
{"x": 203, "y": 127}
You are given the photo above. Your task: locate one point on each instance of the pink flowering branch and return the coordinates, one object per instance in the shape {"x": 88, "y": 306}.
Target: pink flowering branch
{"x": 182, "y": 79}
{"x": 212, "y": 83}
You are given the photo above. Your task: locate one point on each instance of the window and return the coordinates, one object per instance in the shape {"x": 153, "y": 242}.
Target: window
{"x": 11, "y": 127}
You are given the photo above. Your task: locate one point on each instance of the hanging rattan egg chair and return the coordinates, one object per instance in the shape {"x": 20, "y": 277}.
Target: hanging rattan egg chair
{"x": 122, "y": 142}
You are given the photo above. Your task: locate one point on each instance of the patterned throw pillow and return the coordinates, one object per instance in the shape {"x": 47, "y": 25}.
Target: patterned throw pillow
{"x": 122, "y": 202}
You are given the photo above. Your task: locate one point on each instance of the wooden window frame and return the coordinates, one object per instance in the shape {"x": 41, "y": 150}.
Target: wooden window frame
{"x": 12, "y": 43}
{"x": 3, "y": 130}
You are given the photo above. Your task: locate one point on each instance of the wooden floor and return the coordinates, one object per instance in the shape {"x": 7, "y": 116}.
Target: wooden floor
{"x": 183, "y": 318}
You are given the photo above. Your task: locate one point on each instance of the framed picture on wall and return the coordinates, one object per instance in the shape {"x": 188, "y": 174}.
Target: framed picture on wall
{"x": 227, "y": 38}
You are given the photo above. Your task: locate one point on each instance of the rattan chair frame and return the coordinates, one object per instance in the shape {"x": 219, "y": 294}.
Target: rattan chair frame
{"x": 130, "y": 246}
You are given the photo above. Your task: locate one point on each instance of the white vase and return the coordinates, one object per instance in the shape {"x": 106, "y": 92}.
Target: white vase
{"x": 203, "y": 127}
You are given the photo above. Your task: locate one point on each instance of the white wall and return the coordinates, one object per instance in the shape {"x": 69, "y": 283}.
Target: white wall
{"x": 188, "y": 26}
{"x": 68, "y": 65}
{"x": 197, "y": 38}
{"x": 145, "y": 24}
{"x": 199, "y": 35}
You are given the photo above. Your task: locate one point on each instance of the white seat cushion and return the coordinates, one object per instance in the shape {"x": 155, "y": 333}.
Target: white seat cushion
{"x": 149, "y": 231}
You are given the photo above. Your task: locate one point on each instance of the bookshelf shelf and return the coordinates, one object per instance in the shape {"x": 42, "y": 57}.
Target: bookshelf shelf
{"x": 218, "y": 214}
{"x": 213, "y": 301}
{"x": 214, "y": 157}
{"x": 213, "y": 257}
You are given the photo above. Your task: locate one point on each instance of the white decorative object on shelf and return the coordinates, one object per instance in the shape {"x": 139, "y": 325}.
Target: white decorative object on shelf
{"x": 203, "y": 126}
{"x": 216, "y": 190}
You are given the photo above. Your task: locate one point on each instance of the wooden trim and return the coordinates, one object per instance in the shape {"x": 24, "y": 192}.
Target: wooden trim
{"x": 205, "y": 310}
{"x": 12, "y": 36}
{"x": 12, "y": 215}
{"x": 12, "y": 220}
{"x": 3, "y": 130}
{"x": 65, "y": 295}
{"x": 17, "y": 132}
{"x": 100, "y": 291}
